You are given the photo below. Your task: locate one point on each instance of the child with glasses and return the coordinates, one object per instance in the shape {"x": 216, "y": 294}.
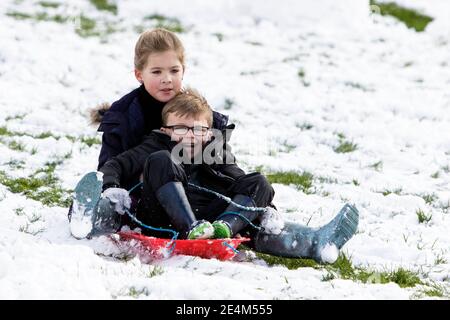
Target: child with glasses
{"x": 171, "y": 199}
{"x": 172, "y": 157}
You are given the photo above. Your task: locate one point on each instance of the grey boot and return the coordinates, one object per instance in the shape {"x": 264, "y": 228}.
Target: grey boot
{"x": 232, "y": 215}
{"x": 320, "y": 244}
{"x": 90, "y": 215}
{"x": 106, "y": 220}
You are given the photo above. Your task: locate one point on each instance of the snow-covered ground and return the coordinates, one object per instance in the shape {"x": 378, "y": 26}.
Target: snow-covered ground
{"x": 298, "y": 78}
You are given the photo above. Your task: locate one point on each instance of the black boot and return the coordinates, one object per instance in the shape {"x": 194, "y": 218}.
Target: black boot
{"x": 235, "y": 218}
{"x": 173, "y": 199}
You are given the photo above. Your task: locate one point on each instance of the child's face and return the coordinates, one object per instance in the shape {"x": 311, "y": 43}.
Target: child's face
{"x": 195, "y": 137}
{"x": 162, "y": 75}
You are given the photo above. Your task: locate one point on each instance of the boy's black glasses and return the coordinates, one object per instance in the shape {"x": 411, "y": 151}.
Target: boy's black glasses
{"x": 182, "y": 130}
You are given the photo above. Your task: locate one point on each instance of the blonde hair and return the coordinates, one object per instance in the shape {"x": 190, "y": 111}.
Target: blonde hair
{"x": 156, "y": 41}
{"x": 189, "y": 102}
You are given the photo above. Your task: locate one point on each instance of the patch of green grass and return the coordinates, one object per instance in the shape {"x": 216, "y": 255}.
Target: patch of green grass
{"x": 290, "y": 263}
{"x": 328, "y": 277}
{"x": 48, "y": 4}
{"x": 135, "y": 293}
{"x": 357, "y": 86}
{"x": 34, "y": 218}
{"x": 228, "y": 104}
{"x": 304, "y": 126}
{"x": 254, "y": 43}
{"x": 71, "y": 138}
{"x": 422, "y": 216}
{"x": 86, "y": 27}
{"x": 259, "y": 168}
{"x": 397, "y": 191}
{"x": 155, "y": 271}
{"x": 45, "y": 135}
{"x": 286, "y": 147}
{"x": 4, "y": 131}
{"x": 355, "y": 182}
{"x": 343, "y": 268}
{"x": 219, "y": 36}
{"x": 19, "y": 15}
{"x": 41, "y": 186}
{"x": 302, "y": 181}
{"x": 435, "y": 175}
{"x": 344, "y": 145}
{"x": 429, "y": 198}
{"x": 411, "y": 18}
{"x": 251, "y": 72}
{"x": 15, "y": 117}
{"x": 90, "y": 141}
{"x": 434, "y": 292}
{"x": 440, "y": 259}
{"x": 404, "y": 278}
{"x": 40, "y": 16}
{"x": 17, "y": 146}
{"x": 26, "y": 229}
{"x": 16, "y": 164}
{"x": 169, "y": 23}
{"x": 19, "y": 211}
{"x": 105, "y": 5}
{"x": 302, "y": 74}
{"x": 378, "y": 166}
{"x": 408, "y": 64}
{"x": 445, "y": 206}
{"x": 327, "y": 180}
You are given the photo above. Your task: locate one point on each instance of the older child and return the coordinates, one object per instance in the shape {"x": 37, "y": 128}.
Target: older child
{"x": 169, "y": 198}
{"x": 159, "y": 67}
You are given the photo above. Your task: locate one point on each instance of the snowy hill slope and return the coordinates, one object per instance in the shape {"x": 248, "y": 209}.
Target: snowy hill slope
{"x": 358, "y": 101}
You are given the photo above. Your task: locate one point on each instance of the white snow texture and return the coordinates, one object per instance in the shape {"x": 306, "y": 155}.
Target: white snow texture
{"x": 299, "y": 78}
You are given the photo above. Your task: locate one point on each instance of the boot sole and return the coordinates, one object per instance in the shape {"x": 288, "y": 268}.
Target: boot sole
{"x": 86, "y": 196}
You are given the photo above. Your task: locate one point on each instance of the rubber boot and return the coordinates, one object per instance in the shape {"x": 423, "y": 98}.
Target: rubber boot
{"x": 321, "y": 244}
{"x": 232, "y": 215}
{"x": 173, "y": 199}
{"x": 90, "y": 214}
{"x": 105, "y": 220}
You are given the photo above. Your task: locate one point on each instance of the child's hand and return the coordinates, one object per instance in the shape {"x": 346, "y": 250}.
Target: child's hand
{"x": 119, "y": 197}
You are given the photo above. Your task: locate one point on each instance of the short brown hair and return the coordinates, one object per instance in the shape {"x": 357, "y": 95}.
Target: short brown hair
{"x": 189, "y": 102}
{"x": 156, "y": 41}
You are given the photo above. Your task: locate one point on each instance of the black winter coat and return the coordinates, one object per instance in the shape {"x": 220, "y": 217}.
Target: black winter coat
{"x": 124, "y": 126}
{"x": 126, "y": 168}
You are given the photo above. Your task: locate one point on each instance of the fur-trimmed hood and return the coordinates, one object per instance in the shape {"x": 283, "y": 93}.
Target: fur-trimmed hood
{"x": 96, "y": 114}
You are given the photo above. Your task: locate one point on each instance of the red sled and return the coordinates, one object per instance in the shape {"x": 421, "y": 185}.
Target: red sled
{"x": 221, "y": 249}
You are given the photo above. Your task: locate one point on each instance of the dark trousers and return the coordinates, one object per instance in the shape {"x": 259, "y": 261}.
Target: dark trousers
{"x": 160, "y": 169}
